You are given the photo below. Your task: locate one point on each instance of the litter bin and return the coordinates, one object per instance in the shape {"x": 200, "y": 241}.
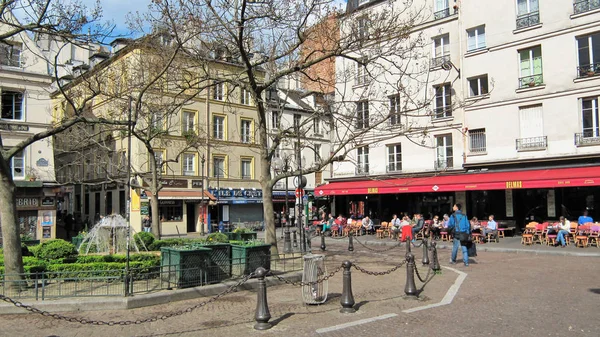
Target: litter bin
{"x": 314, "y": 269}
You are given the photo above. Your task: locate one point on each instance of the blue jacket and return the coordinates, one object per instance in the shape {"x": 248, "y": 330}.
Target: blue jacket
{"x": 463, "y": 222}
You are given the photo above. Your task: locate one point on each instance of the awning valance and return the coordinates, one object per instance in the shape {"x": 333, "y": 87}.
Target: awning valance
{"x": 547, "y": 178}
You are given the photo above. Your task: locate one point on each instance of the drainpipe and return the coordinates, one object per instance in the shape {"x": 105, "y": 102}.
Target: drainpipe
{"x": 464, "y": 128}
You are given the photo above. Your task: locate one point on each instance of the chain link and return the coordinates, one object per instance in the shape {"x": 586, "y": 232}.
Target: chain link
{"x": 427, "y": 278}
{"x": 112, "y": 323}
{"x": 302, "y": 283}
{"x": 378, "y": 273}
{"x": 378, "y": 250}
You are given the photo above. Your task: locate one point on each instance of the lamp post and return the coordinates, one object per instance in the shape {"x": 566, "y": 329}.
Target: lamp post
{"x": 300, "y": 183}
{"x": 287, "y": 242}
{"x": 129, "y": 127}
{"x": 202, "y": 160}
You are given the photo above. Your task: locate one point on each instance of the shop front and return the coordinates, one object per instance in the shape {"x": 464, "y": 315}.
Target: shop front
{"x": 36, "y": 212}
{"x": 237, "y": 205}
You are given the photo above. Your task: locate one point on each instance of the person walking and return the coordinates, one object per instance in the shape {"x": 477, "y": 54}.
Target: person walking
{"x": 462, "y": 229}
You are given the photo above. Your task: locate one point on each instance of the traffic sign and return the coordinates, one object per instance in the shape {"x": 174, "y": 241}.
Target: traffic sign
{"x": 299, "y": 192}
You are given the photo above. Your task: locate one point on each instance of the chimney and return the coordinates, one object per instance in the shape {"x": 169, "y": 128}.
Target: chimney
{"x": 98, "y": 57}
{"x": 119, "y": 44}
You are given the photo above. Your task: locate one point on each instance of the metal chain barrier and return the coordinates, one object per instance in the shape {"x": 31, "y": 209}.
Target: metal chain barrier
{"x": 378, "y": 273}
{"x": 378, "y": 250}
{"x": 428, "y": 278}
{"x": 113, "y": 323}
{"x": 302, "y": 284}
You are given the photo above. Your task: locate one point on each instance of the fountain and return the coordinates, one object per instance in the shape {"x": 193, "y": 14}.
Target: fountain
{"x": 109, "y": 236}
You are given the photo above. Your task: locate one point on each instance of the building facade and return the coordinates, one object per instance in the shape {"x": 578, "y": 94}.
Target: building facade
{"x": 513, "y": 126}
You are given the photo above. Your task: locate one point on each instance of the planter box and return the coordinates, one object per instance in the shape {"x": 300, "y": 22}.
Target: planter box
{"x": 220, "y": 262}
{"x": 233, "y": 236}
{"x": 245, "y": 259}
{"x": 184, "y": 267}
{"x": 248, "y": 236}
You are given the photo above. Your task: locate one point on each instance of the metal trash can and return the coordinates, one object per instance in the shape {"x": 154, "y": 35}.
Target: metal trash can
{"x": 314, "y": 269}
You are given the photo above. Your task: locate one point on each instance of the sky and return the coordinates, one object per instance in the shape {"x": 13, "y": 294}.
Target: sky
{"x": 117, "y": 10}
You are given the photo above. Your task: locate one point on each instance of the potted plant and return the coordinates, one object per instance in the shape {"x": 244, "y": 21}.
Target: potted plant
{"x": 246, "y": 256}
{"x": 244, "y": 234}
{"x": 590, "y": 72}
{"x": 531, "y": 84}
{"x": 31, "y": 175}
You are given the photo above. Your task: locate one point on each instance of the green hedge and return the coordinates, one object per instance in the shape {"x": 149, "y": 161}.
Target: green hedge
{"x": 143, "y": 237}
{"x": 99, "y": 269}
{"x": 56, "y": 249}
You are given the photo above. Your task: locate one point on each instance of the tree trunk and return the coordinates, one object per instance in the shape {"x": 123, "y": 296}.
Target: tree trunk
{"x": 156, "y": 230}
{"x": 267, "y": 188}
{"x": 13, "y": 261}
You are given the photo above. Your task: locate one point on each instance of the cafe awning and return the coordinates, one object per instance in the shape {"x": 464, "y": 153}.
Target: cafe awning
{"x": 546, "y": 178}
{"x": 182, "y": 195}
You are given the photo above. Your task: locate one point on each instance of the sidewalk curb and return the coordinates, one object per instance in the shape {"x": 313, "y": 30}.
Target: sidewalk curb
{"x": 141, "y": 300}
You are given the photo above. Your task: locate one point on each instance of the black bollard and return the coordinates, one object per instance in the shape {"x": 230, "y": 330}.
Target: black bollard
{"x": 262, "y": 315}
{"x": 408, "y": 250}
{"x": 410, "y": 289}
{"x": 350, "y": 243}
{"x": 347, "y": 300}
{"x": 295, "y": 240}
{"x": 435, "y": 266}
{"x": 425, "y": 252}
{"x": 323, "y": 247}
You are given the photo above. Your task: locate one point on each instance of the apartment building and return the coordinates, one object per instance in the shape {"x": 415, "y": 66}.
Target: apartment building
{"x": 513, "y": 128}
{"x": 203, "y": 142}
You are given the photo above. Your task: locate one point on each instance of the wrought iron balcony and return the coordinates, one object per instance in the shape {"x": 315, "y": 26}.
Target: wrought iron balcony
{"x": 441, "y": 112}
{"x": 393, "y": 167}
{"x": 362, "y": 170}
{"x": 582, "y": 6}
{"x": 532, "y": 143}
{"x": 438, "y": 61}
{"x": 444, "y": 13}
{"x": 588, "y": 70}
{"x": 531, "y": 81}
{"x": 443, "y": 163}
{"x": 587, "y": 138}
{"x": 528, "y": 20}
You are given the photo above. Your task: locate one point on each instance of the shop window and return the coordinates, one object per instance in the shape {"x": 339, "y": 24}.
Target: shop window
{"x": 170, "y": 213}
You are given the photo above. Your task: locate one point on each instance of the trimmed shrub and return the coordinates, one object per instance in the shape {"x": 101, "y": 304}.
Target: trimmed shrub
{"x": 99, "y": 269}
{"x": 216, "y": 237}
{"x": 157, "y": 244}
{"x": 144, "y": 239}
{"x": 56, "y": 249}
{"x": 84, "y": 247}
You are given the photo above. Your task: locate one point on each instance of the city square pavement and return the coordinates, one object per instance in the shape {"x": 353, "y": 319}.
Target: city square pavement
{"x": 501, "y": 293}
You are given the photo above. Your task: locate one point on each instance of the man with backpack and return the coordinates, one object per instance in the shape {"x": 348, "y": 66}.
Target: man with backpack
{"x": 462, "y": 231}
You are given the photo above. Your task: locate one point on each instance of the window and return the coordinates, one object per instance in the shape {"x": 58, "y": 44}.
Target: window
{"x": 363, "y": 28}
{"x": 218, "y": 91}
{"x": 443, "y": 101}
{"x": 530, "y": 70}
{"x": 159, "y": 159}
{"x": 247, "y": 168}
{"x": 363, "y": 160}
{"x": 317, "y": 126}
{"x": 170, "y": 212}
{"x": 275, "y": 121}
{"x": 589, "y": 55}
{"x": 17, "y": 165}
{"x": 245, "y": 97}
{"x": 246, "y": 131}
{"x": 582, "y": 6}
{"x": 442, "y": 9}
{"x": 443, "y": 152}
{"x": 12, "y": 105}
{"x": 219, "y": 127}
{"x": 10, "y": 55}
{"x": 394, "y": 158}
{"x": 361, "y": 72}
{"x": 277, "y": 153}
{"x": 123, "y": 161}
{"x": 317, "y": 153}
{"x": 527, "y": 13}
{"x": 188, "y": 121}
{"x": 297, "y": 119}
{"x": 394, "y": 109}
{"x": 478, "y": 86}
{"x": 189, "y": 164}
{"x": 157, "y": 121}
{"x": 219, "y": 169}
{"x": 441, "y": 51}
{"x": 362, "y": 114}
{"x": 531, "y": 127}
{"x": 589, "y": 114}
{"x": 477, "y": 143}
{"x": 476, "y": 38}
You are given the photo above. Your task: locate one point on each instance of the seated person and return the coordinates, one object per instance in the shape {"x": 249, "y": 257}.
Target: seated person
{"x": 367, "y": 225}
{"x": 564, "y": 226}
{"x": 419, "y": 223}
{"x": 492, "y": 227}
{"x": 585, "y": 218}
{"x": 436, "y": 227}
{"x": 395, "y": 223}
{"x": 475, "y": 225}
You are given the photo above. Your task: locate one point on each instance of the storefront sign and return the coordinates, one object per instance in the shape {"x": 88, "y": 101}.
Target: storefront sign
{"x": 48, "y": 201}
{"x": 42, "y": 162}
{"x": 239, "y": 193}
{"x": 27, "y": 202}
{"x": 145, "y": 208}
{"x": 93, "y": 188}
{"x": 174, "y": 183}
{"x": 110, "y": 186}
{"x": 551, "y": 204}
{"x": 514, "y": 184}
{"x": 170, "y": 202}
{"x": 14, "y": 127}
{"x": 373, "y": 190}
{"x": 509, "y": 203}
{"x": 196, "y": 183}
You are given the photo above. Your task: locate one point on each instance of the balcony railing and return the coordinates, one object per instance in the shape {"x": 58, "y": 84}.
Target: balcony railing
{"x": 444, "y": 13}
{"x": 532, "y": 143}
{"x": 393, "y": 167}
{"x": 438, "y": 61}
{"x": 441, "y": 112}
{"x": 362, "y": 170}
{"x": 582, "y": 6}
{"x": 588, "y": 70}
{"x": 586, "y": 138}
{"x": 528, "y": 20}
{"x": 531, "y": 81}
{"x": 443, "y": 163}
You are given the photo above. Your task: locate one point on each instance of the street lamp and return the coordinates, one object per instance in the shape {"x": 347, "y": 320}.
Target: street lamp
{"x": 202, "y": 160}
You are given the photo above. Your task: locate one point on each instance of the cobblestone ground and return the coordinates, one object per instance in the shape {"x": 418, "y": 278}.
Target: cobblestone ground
{"x": 503, "y": 295}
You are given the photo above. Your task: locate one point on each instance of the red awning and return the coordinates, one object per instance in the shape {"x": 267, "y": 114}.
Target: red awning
{"x": 549, "y": 178}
